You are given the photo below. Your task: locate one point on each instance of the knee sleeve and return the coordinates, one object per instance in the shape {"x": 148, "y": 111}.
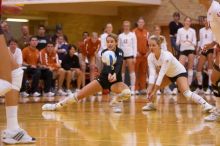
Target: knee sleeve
{"x": 5, "y": 86}
{"x": 188, "y": 94}
{"x": 17, "y": 76}
{"x": 125, "y": 94}
{"x": 216, "y": 89}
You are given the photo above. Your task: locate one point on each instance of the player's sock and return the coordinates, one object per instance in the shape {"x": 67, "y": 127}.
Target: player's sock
{"x": 123, "y": 77}
{"x": 210, "y": 75}
{"x": 132, "y": 79}
{"x": 69, "y": 100}
{"x": 11, "y": 116}
{"x": 190, "y": 76}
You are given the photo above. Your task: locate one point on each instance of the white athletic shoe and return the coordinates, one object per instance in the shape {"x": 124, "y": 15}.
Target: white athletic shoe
{"x": 69, "y": 92}
{"x": 215, "y": 116}
{"x": 208, "y": 109}
{"x": 132, "y": 92}
{"x": 24, "y": 94}
{"x": 158, "y": 92}
{"x": 149, "y": 107}
{"x": 208, "y": 92}
{"x": 60, "y": 92}
{"x": 18, "y": 136}
{"x": 49, "y": 94}
{"x": 167, "y": 91}
{"x": 175, "y": 91}
{"x": 36, "y": 94}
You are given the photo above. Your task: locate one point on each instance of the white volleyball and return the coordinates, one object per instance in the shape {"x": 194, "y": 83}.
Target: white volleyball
{"x": 109, "y": 58}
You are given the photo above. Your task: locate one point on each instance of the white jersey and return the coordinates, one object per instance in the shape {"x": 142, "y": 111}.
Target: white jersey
{"x": 128, "y": 43}
{"x": 186, "y": 38}
{"x": 206, "y": 37}
{"x": 18, "y": 56}
{"x": 103, "y": 43}
{"x": 214, "y": 19}
{"x": 167, "y": 65}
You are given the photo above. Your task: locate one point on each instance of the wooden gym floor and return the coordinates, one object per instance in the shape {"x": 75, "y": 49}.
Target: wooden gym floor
{"x": 175, "y": 123}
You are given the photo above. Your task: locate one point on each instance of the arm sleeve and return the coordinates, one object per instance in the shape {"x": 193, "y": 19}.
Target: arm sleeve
{"x": 163, "y": 71}
{"x": 178, "y": 37}
{"x": 152, "y": 70}
{"x": 134, "y": 43}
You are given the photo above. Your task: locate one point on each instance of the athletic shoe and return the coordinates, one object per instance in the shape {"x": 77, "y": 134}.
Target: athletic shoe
{"x": 18, "y": 136}
{"x": 24, "y": 94}
{"x": 49, "y": 94}
{"x": 149, "y": 107}
{"x": 208, "y": 109}
{"x": 60, "y": 92}
{"x": 158, "y": 92}
{"x": 60, "y": 105}
{"x": 199, "y": 91}
{"x": 137, "y": 92}
{"x": 36, "y": 94}
{"x": 132, "y": 92}
{"x": 215, "y": 116}
{"x": 168, "y": 91}
{"x": 175, "y": 91}
{"x": 142, "y": 92}
{"x": 69, "y": 92}
{"x": 208, "y": 92}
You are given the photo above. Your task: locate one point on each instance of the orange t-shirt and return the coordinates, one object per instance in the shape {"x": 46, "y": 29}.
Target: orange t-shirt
{"x": 49, "y": 59}
{"x": 92, "y": 47}
{"x": 30, "y": 56}
{"x": 142, "y": 44}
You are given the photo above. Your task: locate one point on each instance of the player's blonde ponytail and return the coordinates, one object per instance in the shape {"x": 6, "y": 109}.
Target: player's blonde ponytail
{"x": 158, "y": 39}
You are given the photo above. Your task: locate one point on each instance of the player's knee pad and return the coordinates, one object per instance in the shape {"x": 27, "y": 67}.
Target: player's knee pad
{"x": 5, "y": 86}
{"x": 216, "y": 89}
{"x": 17, "y": 76}
{"x": 188, "y": 94}
{"x": 125, "y": 94}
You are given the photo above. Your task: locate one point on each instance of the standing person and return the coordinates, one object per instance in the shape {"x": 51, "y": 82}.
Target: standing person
{"x": 7, "y": 32}
{"x": 141, "y": 58}
{"x": 186, "y": 38}
{"x": 42, "y": 38}
{"x": 49, "y": 60}
{"x": 174, "y": 26}
{"x": 127, "y": 41}
{"x": 214, "y": 20}
{"x": 23, "y": 41}
{"x": 164, "y": 68}
{"x": 206, "y": 40}
{"x": 59, "y": 32}
{"x": 72, "y": 66}
{"x": 81, "y": 44}
{"x": 110, "y": 78}
{"x": 10, "y": 83}
{"x": 91, "y": 49}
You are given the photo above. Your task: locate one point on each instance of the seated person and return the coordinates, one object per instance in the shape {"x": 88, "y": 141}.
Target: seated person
{"x": 31, "y": 58}
{"x": 15, "y": 51}
{"x": 49, "y": 60}
{"x": 71, "y": 64}
{"x": 61, "y": 47}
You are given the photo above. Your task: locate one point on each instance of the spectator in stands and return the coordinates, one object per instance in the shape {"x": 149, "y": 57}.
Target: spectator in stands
{"x": 42, "y": 38}
{"x": 59, "y": 32}
{"x": 31, "y": 58}
{"x": 61, "y": 47}
{"x": 72, "y": 66}
{"x": 7, "y": 33}
{"x": 49, "y": 59}
{"x": 25, "y": 37}
{"x": 90, "y": 51}
{"x": 15, "y": 51}
{"x": 81, "y": 45}
{"x": 174, "y": 26}
{"x": 141, "y": 59}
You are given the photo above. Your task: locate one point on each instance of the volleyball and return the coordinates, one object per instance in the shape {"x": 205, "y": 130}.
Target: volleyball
{"x": 109, "y": 58}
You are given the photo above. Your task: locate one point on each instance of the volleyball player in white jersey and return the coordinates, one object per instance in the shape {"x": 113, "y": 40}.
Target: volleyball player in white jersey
{"x": 207, "y": 42}
{"x": 186, "y": 38}
{"x": 214, "y": 20}
{"x": 164, "y": 68}
{"x": 127, "y": 41}
{"x": 10, "y": 84}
